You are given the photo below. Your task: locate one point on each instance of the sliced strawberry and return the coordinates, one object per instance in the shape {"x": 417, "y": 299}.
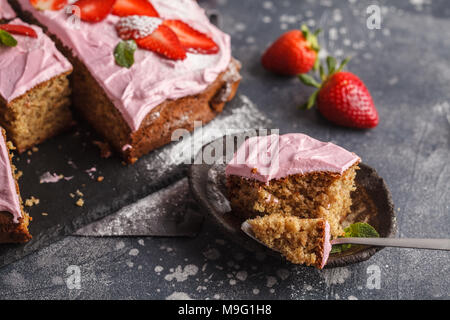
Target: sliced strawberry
{"x": 165, "y": 42}
{"x": 94, "y": 10}
{"x": 19, "y": 29}
{"x": 136, "y": 27}
{"x": 192, "y": 40}
{"x": 124, "y": 8}
{"x": 48, "y": 4}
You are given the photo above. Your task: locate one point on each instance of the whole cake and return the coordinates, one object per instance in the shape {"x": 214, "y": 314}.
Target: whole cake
{"x": 34, "y": 86}
{"x": 13, "y": 220}
{"x": 301, "y": 241}
{"x": 6, "y": 12}
{"x": 293, "y": 175}
{"x": 182, "y": 70}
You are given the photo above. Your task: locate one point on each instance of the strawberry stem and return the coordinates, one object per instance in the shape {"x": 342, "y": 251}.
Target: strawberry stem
{"x": 311, "y": 101}
{"x": 309, "y": 81}
{"x": 331, "y": 64}
{"x": 343, "y": 64}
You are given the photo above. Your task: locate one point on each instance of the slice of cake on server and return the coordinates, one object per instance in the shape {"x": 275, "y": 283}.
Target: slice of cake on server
{"x": 292, "y": 175}
{"x": 301, "y": 241}
{"x": 142, "y": 69}
{"x": 34, "y": 85}
{"x": 13, "y": 220}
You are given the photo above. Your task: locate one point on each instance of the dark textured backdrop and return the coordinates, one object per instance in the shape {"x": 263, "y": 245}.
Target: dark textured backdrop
{"x": 406, "y": 66}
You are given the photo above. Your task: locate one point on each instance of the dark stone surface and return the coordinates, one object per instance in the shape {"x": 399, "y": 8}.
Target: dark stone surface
{"x": 405, "y": 65}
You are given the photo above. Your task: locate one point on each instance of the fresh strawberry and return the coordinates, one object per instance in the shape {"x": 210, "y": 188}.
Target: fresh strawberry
{"x": 48, "y": 4}
{"x": 295, "y": 52}
{"x": 94, "y": 10}
{"x": 123, "y": 8}
{"x": 165, "y": 42}
{"x": 19, "y": 29}
{"x": 342, "y": 97}
{"x": 136, "y": 27}
{"x": 192, "y": 40}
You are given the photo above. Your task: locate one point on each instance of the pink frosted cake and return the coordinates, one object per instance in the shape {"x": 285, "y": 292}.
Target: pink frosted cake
{"x": 142, "y": 69}
{"x": 6, "y": 12}
{"x": 292, "y": 175}
{"x": 34, "y": 89}
{"x": 13, "y": 220}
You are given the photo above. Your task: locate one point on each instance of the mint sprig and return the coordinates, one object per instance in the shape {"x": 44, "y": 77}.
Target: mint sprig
{"x": 124, "y": 53}
{"x": 7, "y": 39}
{"x": 356, "y": 230}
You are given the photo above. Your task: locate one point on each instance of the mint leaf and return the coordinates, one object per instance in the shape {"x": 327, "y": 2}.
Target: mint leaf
{"x": 356, "y": 230}
{"x": 361, "y": 230}
{"x": 124, "y": 53}
{"x": 7, "y": 39}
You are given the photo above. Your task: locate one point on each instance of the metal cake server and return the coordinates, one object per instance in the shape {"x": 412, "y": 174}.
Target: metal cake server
{"x": 432, "y": 244}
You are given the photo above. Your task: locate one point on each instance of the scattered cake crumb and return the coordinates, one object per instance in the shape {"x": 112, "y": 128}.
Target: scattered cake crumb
{"x": 71, "y": 195}
{"x": 35, "y": 149}
{"x": 44, "y": 213}
{"x": 31, "y": 202}
{"x": 80, "y": 202}
{"x": 100, "y": 179}
{"x": 10, "y": 145}
{"x": 79, "y": 193}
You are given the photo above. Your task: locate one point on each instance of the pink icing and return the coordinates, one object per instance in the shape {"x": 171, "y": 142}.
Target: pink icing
{"x": 31, "y": 62}
{"x": 9, "y": 199}
{"x": 152, "y": 79}
{"x": 275, "y": 157}
{"x": 327, "y": 245}
{"x": 6, "y": 12}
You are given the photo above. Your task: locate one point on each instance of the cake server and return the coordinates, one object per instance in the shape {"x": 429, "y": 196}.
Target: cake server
{"x": 432, "y": 244}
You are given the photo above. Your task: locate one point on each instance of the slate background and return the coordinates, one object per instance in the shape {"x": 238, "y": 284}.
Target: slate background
{"x": 406, "y": 66}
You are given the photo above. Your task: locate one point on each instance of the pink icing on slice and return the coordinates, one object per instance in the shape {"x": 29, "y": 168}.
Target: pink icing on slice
{"x": 152, "y": 79}
{"x": 31, "y": 62}
{"x": 327, "y": 245}
{"x": 6, "y": 12}
{"x": 276, "y": 157}
{"x": 9, "y": 199}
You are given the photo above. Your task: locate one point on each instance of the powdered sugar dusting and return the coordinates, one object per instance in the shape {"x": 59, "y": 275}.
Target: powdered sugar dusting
{"x": 137, "y": 26}
{"x": 181, "y": 274}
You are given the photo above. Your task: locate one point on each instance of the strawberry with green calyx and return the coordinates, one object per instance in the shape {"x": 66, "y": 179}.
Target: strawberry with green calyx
{"x": 342, "y": 97}
{"x": 295, "y": 52}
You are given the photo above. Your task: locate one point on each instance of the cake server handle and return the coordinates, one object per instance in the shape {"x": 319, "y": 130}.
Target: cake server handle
{"x": 433, "y": 244}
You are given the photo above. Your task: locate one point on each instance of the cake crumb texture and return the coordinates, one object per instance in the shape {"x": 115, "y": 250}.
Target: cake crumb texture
{"x": 314, "y": 195}
{"x": 301, "y": 241}
{"x": 39, "y": 114}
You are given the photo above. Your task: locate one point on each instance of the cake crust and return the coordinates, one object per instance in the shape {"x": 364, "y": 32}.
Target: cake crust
{"x": 11, "y": 232}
